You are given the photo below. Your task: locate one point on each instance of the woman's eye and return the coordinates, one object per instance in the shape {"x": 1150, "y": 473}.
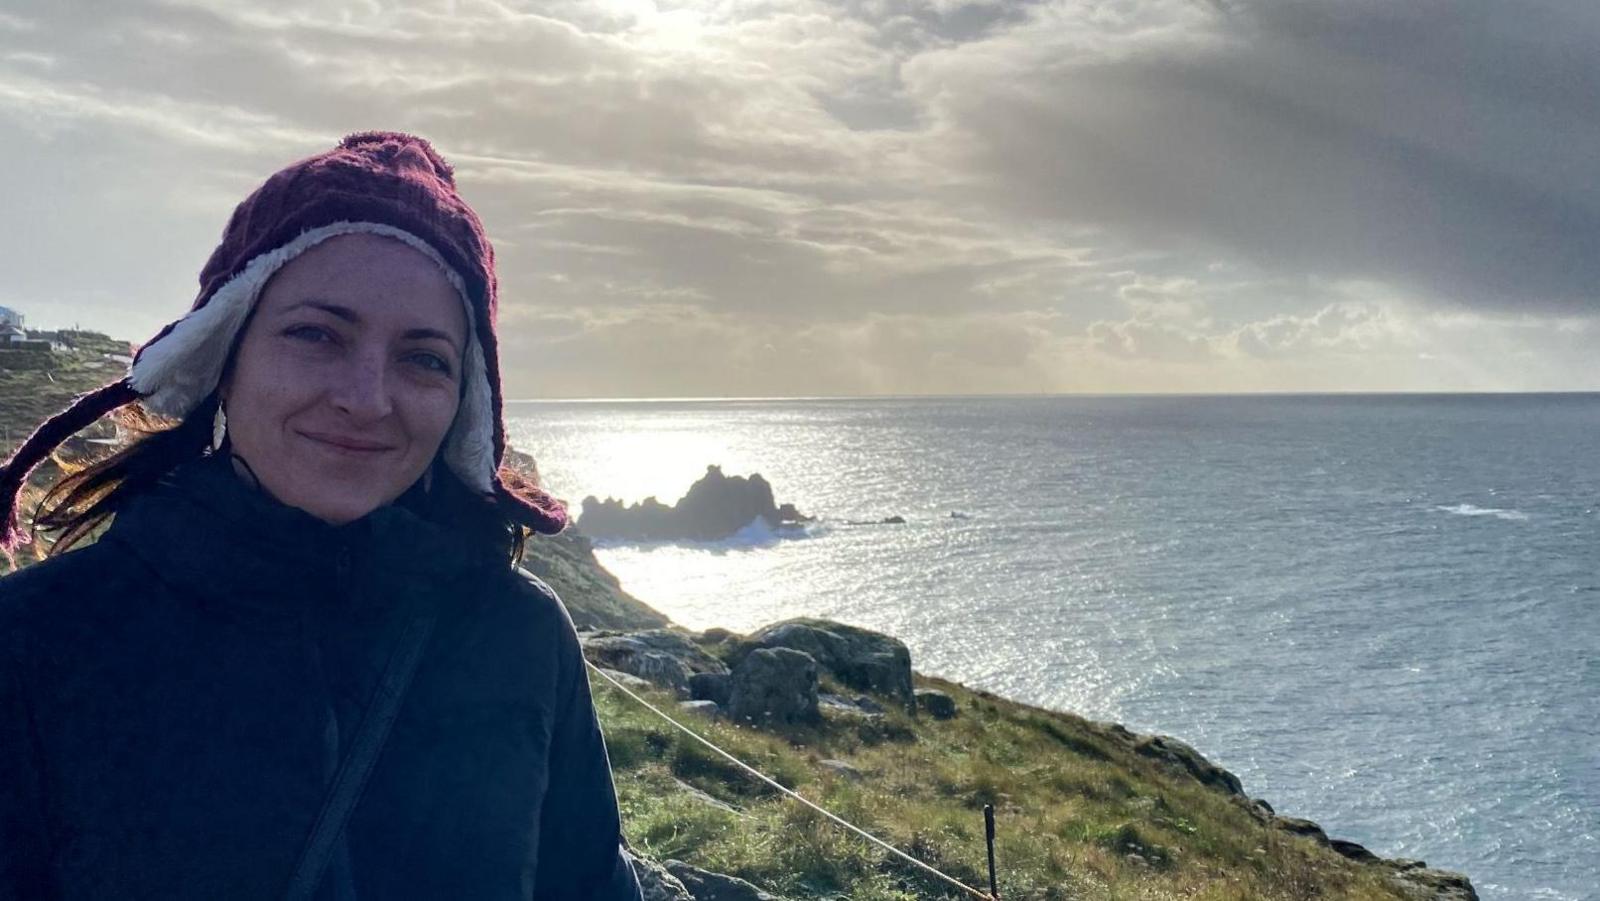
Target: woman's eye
{"x": 312, "y": 333}
{"x": 432, "y": 361}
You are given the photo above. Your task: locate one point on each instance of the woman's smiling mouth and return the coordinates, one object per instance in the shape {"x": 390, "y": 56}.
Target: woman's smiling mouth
{"x": 342, "y": 444}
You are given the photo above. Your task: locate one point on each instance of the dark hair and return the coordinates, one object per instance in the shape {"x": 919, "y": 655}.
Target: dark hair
{"x": 83, "y": 499}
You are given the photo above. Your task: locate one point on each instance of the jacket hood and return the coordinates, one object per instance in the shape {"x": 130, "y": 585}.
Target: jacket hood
{"x": 208, "y": 532}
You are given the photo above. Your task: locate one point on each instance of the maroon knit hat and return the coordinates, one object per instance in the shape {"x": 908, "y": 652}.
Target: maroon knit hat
{"x": 385, "y": 183}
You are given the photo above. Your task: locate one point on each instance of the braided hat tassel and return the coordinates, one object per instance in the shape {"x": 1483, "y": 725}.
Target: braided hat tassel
{"x": 85, "y": 409}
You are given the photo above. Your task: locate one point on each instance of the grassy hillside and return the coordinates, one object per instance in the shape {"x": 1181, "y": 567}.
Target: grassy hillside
{"x": 1081, "y": 814}
{"x": 591, "y": 593}
{"x": 36, "y": 384}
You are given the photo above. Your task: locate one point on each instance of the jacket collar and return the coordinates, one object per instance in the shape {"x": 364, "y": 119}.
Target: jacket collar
{"x": 205, "y": 530}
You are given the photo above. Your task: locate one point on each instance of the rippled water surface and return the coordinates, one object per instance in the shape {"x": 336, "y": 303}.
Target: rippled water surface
{"x": 1382, "y": 613}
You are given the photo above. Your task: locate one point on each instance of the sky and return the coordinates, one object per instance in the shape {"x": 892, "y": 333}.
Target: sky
{"x": 807, "y": 198}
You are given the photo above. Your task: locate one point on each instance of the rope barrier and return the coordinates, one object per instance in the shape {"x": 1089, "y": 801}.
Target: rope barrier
{"x": 790, "y": 792}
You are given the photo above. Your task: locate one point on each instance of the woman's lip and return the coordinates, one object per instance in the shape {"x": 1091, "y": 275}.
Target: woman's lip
{"x": 346, "y": 444}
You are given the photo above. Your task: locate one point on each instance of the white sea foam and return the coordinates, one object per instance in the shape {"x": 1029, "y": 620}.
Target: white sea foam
{"x": 1474, "y": 510}
{"x": 755, "y": 534}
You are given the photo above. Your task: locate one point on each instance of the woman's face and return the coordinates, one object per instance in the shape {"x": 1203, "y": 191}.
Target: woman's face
{"x": 348, "y": 376}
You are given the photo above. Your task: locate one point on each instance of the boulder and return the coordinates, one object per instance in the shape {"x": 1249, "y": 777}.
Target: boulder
{"x": 1178, "y": 755}
{"x": 1435, "y": 885}
{"x": 774, "y": 686}
{"x": 681, "y": 646}
{"x": 939, "y": 705}
{"x": 1257, "y": 808}
{"x": 704, "y": 798}
{"x": 716, "y": 687}
{"x": 1353, "y": 851}
{"x": 1302, "y": 828}
{"x": 657, "y": 883}
{"x": 860, "y": 658}
{"x": 628, "y": 654}
{"x": 628, "y": 680}
{"x": 868, "y": 705}
{"x": 842, "y": 707}
{"x": 706, "y": 886}
{"x": 704, "y": 708}
{"x": 840, "y": 768}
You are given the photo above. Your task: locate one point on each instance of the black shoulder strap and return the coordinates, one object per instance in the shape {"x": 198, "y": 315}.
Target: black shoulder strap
{"x": 351, "y": 779}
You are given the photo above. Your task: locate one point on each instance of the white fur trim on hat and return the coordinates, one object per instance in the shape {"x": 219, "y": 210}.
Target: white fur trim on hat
{"x": 180, "y": 369}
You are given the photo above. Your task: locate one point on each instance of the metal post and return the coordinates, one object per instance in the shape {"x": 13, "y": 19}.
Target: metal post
{"x": 988, "y": 834}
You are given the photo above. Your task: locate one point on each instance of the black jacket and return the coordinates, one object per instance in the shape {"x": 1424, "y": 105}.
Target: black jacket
{"x": 172, "y": 701}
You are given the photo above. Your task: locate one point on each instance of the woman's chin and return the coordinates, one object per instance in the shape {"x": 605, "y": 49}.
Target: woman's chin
{"x": 336, "y": 503}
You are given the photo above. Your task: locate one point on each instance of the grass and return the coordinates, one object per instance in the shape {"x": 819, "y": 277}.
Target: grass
{"x": 1080, "y": 815}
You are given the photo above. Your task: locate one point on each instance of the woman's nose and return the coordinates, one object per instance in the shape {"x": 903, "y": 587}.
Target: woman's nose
{"x": 362, "y": 389}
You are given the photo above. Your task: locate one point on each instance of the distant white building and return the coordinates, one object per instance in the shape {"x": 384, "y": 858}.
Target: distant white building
{"x": 10, "y": 318}
{"x": 12, "y": 333}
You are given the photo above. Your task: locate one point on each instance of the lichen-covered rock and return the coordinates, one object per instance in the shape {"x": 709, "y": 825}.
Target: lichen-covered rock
{"x": 1257, "y": 808}
{"x": 716, "y": 687}
{"x": 707, "y": 886}
{"x": 860, "y": 658}
{"x": 841, "y": 707}
{"x": 681, "y": 646}
{"x": 657, "y": 883}
{"x": 841, "y": 768}
{"x": 704, "y": 708}
{"x": 1427, "y": 884}
{"x": 867, "y": 704}
{"x": 939, "y": 705}
{"x": 1302, "y": 828}
{"x": 628, "y": 654}
{"x": 1353, "y": 851}
{"x": 1175, "y": 753}
{"x": 628, "y": 680}
{"x": 774, "y": 686}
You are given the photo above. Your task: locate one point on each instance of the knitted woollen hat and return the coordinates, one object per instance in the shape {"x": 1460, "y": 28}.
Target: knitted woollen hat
{"x": 384, "y": 183}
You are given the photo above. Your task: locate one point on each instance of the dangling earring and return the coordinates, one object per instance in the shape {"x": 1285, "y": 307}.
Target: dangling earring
{"x": 427, "y": 479}
{"x": 219, "y": 427}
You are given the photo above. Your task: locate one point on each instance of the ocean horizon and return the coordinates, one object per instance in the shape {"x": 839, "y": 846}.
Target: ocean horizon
{"x": 1381, "y": 611}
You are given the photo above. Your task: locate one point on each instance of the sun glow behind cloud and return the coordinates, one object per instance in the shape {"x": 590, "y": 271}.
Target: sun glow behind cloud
{"x": 806, "y": 197}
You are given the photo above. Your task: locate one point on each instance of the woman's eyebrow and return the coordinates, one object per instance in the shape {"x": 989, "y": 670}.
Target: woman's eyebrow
{"x": 349, "y": 315}
{"x": 345, "y": 313}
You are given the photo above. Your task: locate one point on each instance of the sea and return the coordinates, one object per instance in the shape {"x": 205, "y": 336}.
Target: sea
{"x": 1382, "y": 612}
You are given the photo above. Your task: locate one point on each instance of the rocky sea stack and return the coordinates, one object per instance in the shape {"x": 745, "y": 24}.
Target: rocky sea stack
{"x": 715, "y": 507}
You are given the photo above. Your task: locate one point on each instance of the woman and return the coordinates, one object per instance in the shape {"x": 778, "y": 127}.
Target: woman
{"x": 300, "y": 662}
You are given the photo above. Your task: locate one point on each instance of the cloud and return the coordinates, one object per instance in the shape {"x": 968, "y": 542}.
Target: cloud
{"x": 1443, "y": 150}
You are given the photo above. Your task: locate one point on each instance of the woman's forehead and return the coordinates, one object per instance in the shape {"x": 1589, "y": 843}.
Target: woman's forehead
{"x": 369, "y": 280}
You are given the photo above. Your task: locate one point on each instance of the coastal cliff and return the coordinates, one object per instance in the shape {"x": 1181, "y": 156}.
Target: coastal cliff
{"x": 1085, "y": 809}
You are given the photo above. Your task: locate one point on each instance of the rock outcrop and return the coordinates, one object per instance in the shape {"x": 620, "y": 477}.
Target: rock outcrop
{"x": 707, "y": 886}
{"x": 657, "y": 883}
{"x": 860, "y": 658}
{"x": 1175, "y": 753}
{"x": 939, "y": 705}
{"x": 660, "y": 656}
{"x": 775, "y": 686}
{"x": 715, "y": 507}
